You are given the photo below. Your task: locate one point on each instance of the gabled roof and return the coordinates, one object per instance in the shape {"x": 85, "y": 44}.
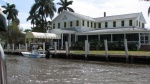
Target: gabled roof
{"x": 117, "y": 17}
{"x": 114, "y": 17}
{"x": 81, "y": 16}
{"x": 76, "y": 15}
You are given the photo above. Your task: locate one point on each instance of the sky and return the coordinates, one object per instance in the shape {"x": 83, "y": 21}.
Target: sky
{"x": 92, "y": 8}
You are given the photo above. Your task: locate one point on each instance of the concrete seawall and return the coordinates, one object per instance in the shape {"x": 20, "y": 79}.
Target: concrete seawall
{"x": 94, "y": 57}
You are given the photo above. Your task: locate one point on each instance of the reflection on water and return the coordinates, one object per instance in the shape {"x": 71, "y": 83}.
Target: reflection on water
{"x": 23, "y": 70}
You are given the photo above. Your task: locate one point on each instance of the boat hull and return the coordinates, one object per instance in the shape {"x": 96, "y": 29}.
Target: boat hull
{"x": 28, "y": 54}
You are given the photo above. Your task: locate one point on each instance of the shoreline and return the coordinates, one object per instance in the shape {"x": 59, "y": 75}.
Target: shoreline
{"x": 94, "y": 57}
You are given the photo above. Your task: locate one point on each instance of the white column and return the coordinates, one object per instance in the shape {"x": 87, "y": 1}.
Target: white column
{"x": 126, "y": 49}
{"x": 62, "y": 41}
{"x": 111, "y": 38}
{"x": 87, "y": 38}
{"x": 124, "y": 36}
{"x": 139, "y": 39}
{"x": 69, "y": 40}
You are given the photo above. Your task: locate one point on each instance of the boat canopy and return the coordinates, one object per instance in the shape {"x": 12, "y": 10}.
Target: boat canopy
{"x": 39, "y": 35}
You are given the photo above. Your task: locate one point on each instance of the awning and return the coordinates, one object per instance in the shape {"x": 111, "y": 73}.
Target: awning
{"x": 42, "y": 35}
{"x": 2, "y": 23}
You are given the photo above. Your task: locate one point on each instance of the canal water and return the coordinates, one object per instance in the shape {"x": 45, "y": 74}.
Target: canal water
{"x": 23, "y": 70}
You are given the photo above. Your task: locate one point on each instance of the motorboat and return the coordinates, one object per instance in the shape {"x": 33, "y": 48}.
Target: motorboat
{"x": 34, "y": 54}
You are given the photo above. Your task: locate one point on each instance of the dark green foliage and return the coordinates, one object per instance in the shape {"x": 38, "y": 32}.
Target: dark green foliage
{"x": 64, "y": 6}
{"x": 95, "y": 45}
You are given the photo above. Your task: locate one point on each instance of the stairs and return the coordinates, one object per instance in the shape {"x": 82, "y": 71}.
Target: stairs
{"x": 145, "y": 48}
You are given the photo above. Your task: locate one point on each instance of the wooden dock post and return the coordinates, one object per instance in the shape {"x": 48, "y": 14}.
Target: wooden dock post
{"x": 86, "y": 49}
{"x": 126, "y": 50}
{"x": 55, "y": 47}
{"x": 19, "y": 49}
{"x": 67, "y": 50}
{"x": 13, "y": 48}
{"x": 26, "y": 45}
{"x": 106, "y": 50}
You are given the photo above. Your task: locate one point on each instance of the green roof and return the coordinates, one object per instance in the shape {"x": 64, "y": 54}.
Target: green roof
{"x": 3, "y": 26}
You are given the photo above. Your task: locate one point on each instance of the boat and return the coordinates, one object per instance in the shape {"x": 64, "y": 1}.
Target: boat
{"x": 34, "y": 54}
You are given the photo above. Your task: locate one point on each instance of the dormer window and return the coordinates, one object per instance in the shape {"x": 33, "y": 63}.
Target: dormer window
{"x": 71, "y": 23}
{"x": 88, "y": 24}
{"x": 94, "y": 25}
{"x": 130, "y": 22}
{"x": 122, "y": 23}
{"x": 58, "y": 25}
{"x": 114, "y": 23}
{"x": 106, "y": 24}
{"x": 77, "y": 23}
{"x": 99, "y": 25}
{"x": 82, "y": 22}
{"x": 91, "y": 24}
{"x": 65, "y": 24}
{"x": 143, "y": 25}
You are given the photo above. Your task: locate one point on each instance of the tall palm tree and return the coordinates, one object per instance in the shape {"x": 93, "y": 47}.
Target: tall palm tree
{"x": 64, "y": 5}
{"x": 33, "y": 19}
{"x": 10, "y": 11}
{"x": 44, "y": 8}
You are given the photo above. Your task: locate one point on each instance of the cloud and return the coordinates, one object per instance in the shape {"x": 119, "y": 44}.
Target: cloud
{"x": 96, "y": 8}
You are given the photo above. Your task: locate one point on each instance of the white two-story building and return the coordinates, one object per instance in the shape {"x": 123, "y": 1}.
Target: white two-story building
{"x": 76, "y": 27}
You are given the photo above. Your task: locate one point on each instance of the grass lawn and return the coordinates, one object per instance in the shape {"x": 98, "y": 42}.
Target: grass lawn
{"x": 102, "y": 52}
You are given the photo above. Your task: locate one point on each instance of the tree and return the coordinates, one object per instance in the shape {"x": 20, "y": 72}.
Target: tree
{"x": 10, "y": 11}
{"x": 33, "y": 19}
{"x": 64, "y": 5}
{"x": 27, "y": 30}
{"x": 43, "y": 8}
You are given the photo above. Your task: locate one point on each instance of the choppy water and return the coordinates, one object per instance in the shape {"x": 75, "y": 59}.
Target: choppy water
{"x": 23, "y": 70}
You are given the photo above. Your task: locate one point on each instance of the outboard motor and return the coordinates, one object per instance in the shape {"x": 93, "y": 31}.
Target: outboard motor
{"x": 3, "y": 70}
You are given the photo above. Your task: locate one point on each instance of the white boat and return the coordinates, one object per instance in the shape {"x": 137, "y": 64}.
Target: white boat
{"x": 34, "y": 54}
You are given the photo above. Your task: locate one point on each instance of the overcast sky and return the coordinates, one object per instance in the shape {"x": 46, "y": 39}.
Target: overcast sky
{"x": 92, "y": 8}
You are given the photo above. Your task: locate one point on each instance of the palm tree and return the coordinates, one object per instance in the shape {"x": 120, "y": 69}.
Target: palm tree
{"x": 33, "y": 19}
{"x": 44, "y": 8}
{"x": 64, "y": 5}
{"x": 10, "y": 11}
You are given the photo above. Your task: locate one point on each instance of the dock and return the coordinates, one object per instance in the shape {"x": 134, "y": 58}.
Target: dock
{"x": 94, "y": 57}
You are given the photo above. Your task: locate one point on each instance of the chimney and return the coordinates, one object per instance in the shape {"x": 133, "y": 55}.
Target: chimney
{"x": 104, "y": 14}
